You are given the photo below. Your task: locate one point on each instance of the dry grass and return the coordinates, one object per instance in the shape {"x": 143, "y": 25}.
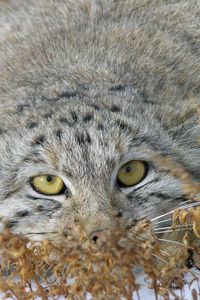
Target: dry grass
{"x": 40, "y": 269}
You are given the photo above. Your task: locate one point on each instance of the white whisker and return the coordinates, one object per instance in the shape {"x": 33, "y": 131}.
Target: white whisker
{"x": 43, "y": 232}
{"x": 182, "y": 207}
{"x": 159, "y": 258}
{"x": 163, "y": 221}
{"x": 170, "y": 241}
{"x": 170, "y": 231}
{"x": 164, "y": 252}
{"x": 173, "y": 228}
{"x": 140, "y": 238}
{"x": 191, "y": 205}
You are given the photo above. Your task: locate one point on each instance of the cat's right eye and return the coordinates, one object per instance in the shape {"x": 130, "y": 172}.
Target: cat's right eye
{"x": 48, "y": 184}
{"x": 131, "y": 173}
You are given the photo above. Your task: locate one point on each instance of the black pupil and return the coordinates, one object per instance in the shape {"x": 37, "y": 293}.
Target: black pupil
{"x": 128, "y": 169}
{"x": 49, "y": 178}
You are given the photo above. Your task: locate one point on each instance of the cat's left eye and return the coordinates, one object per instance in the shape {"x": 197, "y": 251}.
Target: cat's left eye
{"x": 48, "y": 184}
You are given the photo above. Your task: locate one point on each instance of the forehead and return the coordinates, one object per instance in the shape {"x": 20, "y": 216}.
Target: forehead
{"x": 76, "y": 137}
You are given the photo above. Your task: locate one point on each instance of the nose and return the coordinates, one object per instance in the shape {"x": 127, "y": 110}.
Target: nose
{"x": 98, "y": 235}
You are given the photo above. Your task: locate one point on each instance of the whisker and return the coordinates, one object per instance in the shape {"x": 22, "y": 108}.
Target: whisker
{"x": 140, "y": 238}
{"x": 164, "y": 252}
{"x": 163, "y": 221}
{"x": 186, "y": 201}
{"x": 170, "y": 212}
{"x": 161, "y": 216}
{"x": 47, "y": 232}
{"x": 170, "y": 241}
{"x": 191, "y": 205}
{"x": 169, "y": 231}
{"x": 174, "y": 228}
{"x": 48, "y": 269}
{"x": 159, "y": 258}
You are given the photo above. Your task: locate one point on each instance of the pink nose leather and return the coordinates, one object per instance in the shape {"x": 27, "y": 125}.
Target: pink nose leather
{"x": 98, "y": 234}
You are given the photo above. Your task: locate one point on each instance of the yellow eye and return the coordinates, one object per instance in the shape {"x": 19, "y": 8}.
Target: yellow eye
{"x": 131, "y": 173}
{"x": 48, "y": 184}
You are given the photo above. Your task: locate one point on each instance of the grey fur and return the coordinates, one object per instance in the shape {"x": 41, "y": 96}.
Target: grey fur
{"x": 86, "y": 86}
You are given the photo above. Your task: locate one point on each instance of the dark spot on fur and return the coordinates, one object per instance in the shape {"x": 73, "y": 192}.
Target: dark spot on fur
{"x": 20, "y": 107}
{"x": 83, "y": 138}
{"x": 59, "y": 134}
{"x": 48, "y": 115}
{"x": 95, "y": 106}
{"x": 88, "y": 138}
{"x": 39, "y": 140}
{"x": 23, "y": 213}
{"x": 115, "y": 108}
{"x": 119, "y": 214}
{"x": 2, "y": 131}
{"x": 122, "y": 125}
{"x": 40, "y": 208}
{"x": 68, "y": 94}
{"x": 100, "y": 126}
{"x": 48, "y": 210}
{"x": 74, "y": 116}
{"x": 64, "y": 121}
{"x": 31, "y": 125}
{"x": 12, "y": 223}
{"x": 87, "y": 118}
{"x": 110, "y": 162}
{"x": 117, "y": 88}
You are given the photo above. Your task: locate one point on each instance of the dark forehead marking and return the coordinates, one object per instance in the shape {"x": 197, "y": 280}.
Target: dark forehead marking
{"x": 40, "y": 140}
{"x": 74, "y": 116}
{"x": 95, "y": 106}
{"x": 68, "y": 94}
{"x": 20, "y": 107}
{"x": 22, "y": 213}
{"x": 35, "y": 161}
{"x": 64, "y": 120}
{"x": 100, "y": 126}
{"x": 117, "y": 88}
{"x": 115, "y": 108}
{"x": 2, "y": 131}
{"x": 31, "y": 125}
{"x": 122, "y": 125}
{"x": 59, "y": 134}
{"x": 87, "y": 118}
{"x": 65, "y": 94}
{"x": 48, "y": 115}
{"x": 83, "y": 138}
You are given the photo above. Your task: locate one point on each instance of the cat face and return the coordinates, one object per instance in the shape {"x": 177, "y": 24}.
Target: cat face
{"x": 93, "y": 166}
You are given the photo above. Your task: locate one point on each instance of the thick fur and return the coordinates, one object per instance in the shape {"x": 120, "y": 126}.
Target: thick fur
{"x": 87, "y": 85}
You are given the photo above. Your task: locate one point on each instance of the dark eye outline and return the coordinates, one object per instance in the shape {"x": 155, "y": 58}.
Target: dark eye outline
{"x": 62, "y": 192}
{"x": 121, "y": 185}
